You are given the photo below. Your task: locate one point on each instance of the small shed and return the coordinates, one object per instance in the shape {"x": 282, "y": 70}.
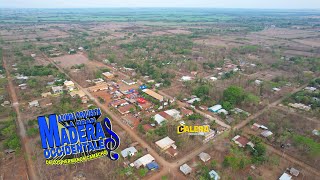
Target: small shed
{"x": 294, "y": 172}
{"x": 285, "y": 176}
{"x": 204, "y": 156}
{"x": 153, "y": 166}
{"x": 34, "y": 103}
{"x": 185, "y": 169}
{"x": 266, "y": 133}
{"x": 130, "y": 151}
{"x": 214, "y": 175}
{"x": 159, "y": 119}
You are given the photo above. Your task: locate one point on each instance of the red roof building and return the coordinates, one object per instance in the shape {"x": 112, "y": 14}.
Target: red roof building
{"x": 186, "y": 112}
{"x": 147, "y": 127}
{"x": 141, "y": 100}
{"x": 126, "y": 109}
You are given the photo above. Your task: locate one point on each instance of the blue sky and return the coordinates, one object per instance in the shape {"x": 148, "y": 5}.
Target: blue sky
{"x": 262, "y": 4}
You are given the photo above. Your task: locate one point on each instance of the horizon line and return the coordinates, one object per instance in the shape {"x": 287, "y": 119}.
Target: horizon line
{"x": 170, "y": 7}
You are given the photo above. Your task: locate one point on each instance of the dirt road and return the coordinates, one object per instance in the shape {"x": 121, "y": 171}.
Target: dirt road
{"x": 21, "y": 128}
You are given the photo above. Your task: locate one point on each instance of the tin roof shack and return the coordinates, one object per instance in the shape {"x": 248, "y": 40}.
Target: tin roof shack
{"x": 266, "y": 133}
{"x": 215, "y": 108}
{"x": 34, "y": 103}
{"x": 130, "y": 151}
{"x": 166, "y": 143}
{"x": 99, "y": 87}
{"x": 69, "y": 85}
{"x": 108, "y": 75}
{"x": 185, "y": 169}
{"x": 294, "y": 172}
{"x": 192, "y": 100}
{"x": 159, "y": 119}
{"x": 143, "y": 161}
{"x": 23, "y": 86}
{"x": 204, "y": 157}
{"x": 129, "y": 82}
{"x": 214, "y": 175}
{"x": 172, "y": 152}
{"x": 175, "y": 114}
{"x": 186, "y": 112}
{"x": 57, "y": 89}
{"x": 285, "y": 176}
{"x": 186, "y": 78}
{"x": 242, "y": 141}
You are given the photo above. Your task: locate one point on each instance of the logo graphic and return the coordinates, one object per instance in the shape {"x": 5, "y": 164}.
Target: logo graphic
{"x": 193, "y": 130}
{"x": 77, "y": 137}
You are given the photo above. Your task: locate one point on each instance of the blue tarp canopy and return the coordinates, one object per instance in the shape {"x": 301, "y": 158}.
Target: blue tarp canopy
{"x": 142, "y": 87}
{"x": 152, "y": 165}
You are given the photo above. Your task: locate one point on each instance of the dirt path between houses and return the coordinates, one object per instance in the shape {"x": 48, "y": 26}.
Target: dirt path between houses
{"x": 20, "y": 126}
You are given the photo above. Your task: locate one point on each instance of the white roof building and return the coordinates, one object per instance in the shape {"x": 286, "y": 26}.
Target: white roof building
{"x": 173, "y": 113}
{"x": 214, "y": 175}
{"x": 204, "y": 157}
{"x": 143, "y": 161}
{"x": 165, "y": 143}
{"x": 258, "y": 82}
{"x": 276, "y": 89}
{"x": 130, "y": 151}
{"x": 223, "y": 111}
{"x": 191, "y": 101}
{"x": 159, "y": 119}
{"x": 294, "y": 172}
{"x": 57, "y": 89}
{"x": 213, "y": 78}
{"x": 186, "y": 78}
{"x": 266, "y": 133}
{"x": 310, "y": 88}
{"x": 215, "y": 108}
{"x": 34, "y": 103}
{"x": 185, "y": 169}
{"x": 285, "y": 176}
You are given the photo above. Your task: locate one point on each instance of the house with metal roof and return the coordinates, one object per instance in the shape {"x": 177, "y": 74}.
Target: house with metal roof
{"x": 204, "y": 156}
{"x": 130, "y": 151}
{"x": 143, "y": 161}
{"x": 214, "y": 175}
{"x": 159, "y": 119}
{"x": 215, "y": 108}
{"x": 285, "y": 176}
{"x": 185, "y": 169}
{"x": 165, "y": 143}
{"x": 153, "y": 94}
